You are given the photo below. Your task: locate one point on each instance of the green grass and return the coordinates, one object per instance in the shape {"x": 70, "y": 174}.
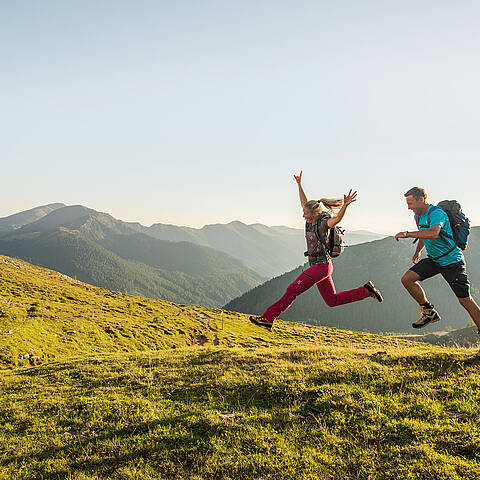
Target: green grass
{"x": 47, "y": 315}
{"x": 299, "y": 403}
{"x": 303, "y": 412}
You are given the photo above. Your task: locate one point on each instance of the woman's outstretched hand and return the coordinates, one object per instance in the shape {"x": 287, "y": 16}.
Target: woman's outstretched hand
{"x": 298, "y": 178}
{"x": 350, "y": 198}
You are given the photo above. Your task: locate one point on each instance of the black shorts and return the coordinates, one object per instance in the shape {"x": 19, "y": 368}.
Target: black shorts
{"x": 455, "y": 274}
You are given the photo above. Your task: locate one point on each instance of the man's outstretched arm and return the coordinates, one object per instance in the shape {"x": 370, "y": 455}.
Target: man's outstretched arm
{"x": 430, "y": 234}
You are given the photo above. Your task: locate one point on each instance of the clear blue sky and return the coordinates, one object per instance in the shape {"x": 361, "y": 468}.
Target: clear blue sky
{"x": 196, "y": 112}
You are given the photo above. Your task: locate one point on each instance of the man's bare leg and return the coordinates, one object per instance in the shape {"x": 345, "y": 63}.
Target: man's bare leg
{"x": 472, "y": 308}
{"x": 429, "y": 314}
{"x": 410, "y": 281}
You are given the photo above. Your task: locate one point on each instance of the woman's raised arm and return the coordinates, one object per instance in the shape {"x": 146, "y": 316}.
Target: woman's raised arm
{"x": 303, "y": 197}
{"x": 347, "y": 200}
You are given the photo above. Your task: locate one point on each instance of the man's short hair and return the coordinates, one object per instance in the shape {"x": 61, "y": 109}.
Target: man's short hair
{"x": 417, "y": 193}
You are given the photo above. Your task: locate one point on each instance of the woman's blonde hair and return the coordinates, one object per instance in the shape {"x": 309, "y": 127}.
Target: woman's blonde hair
{"x": 315, "y": 206}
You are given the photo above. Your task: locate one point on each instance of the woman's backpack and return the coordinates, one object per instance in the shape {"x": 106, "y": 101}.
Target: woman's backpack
{"x": 334, "y": 245}
{"x": 335, "y": 241}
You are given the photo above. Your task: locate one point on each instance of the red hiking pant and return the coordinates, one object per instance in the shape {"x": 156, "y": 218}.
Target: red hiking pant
{"x": 321, "y": 275}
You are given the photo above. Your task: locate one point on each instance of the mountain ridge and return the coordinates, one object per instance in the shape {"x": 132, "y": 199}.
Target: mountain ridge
{"x": 104, "y": 251}
{"x": 17, "y": 220}
{"x": 268, "y": 250}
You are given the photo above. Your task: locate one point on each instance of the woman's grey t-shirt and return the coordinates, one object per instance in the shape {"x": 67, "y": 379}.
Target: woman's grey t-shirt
{"x": 314, "y": 246}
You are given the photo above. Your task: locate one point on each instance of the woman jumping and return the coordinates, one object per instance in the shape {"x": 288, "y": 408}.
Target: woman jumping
{"x": 320, "y": 272}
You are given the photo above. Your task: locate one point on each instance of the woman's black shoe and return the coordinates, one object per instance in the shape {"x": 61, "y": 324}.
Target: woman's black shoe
{"x": 261, "y": 322}
{"x": 373, "y": 291}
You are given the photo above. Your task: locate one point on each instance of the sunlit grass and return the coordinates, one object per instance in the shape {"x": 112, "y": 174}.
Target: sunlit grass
{"x": 289, "y": 412}
{"x": 143, "y": 400}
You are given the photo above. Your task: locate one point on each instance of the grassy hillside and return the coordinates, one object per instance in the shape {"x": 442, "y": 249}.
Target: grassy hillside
{"x": 310, "y": 412}
{"x": 146, "y": 389}
{"x": 46, "y": 314}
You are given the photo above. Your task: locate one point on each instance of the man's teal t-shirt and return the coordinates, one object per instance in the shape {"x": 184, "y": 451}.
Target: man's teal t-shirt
{"x": 437, "y": 246}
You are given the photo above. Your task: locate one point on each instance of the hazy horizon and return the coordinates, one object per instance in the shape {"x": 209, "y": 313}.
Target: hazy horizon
{"x": 179, "y": 225}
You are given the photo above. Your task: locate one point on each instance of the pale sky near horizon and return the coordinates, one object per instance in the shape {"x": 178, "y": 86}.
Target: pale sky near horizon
{"x": 199, "y": 112}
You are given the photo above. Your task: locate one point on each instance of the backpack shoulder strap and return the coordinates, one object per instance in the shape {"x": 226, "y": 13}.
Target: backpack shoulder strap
{"x": 431, "y": 209}
{"x": 315, "y": 226}
{"x": 427, "y": 225}
{"x": 442, "y": 235}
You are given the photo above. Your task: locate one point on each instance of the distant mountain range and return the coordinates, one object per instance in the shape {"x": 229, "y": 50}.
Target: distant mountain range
{"x": 98, "y": 249}
{"x": 383, "y": 262}
{"x": 18, "y": 220}
{"x": 270, "y": 251}
{"x": 208, "y": 266}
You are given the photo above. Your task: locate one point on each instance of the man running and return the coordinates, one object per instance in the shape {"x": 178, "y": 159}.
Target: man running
{"x": 444, "y": 257}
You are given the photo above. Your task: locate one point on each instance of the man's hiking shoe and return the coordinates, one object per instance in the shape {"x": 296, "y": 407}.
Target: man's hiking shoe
{"x": 429, "y": 315}
{"x": 261, "y": 322}
{"x": 373, "y": 291}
